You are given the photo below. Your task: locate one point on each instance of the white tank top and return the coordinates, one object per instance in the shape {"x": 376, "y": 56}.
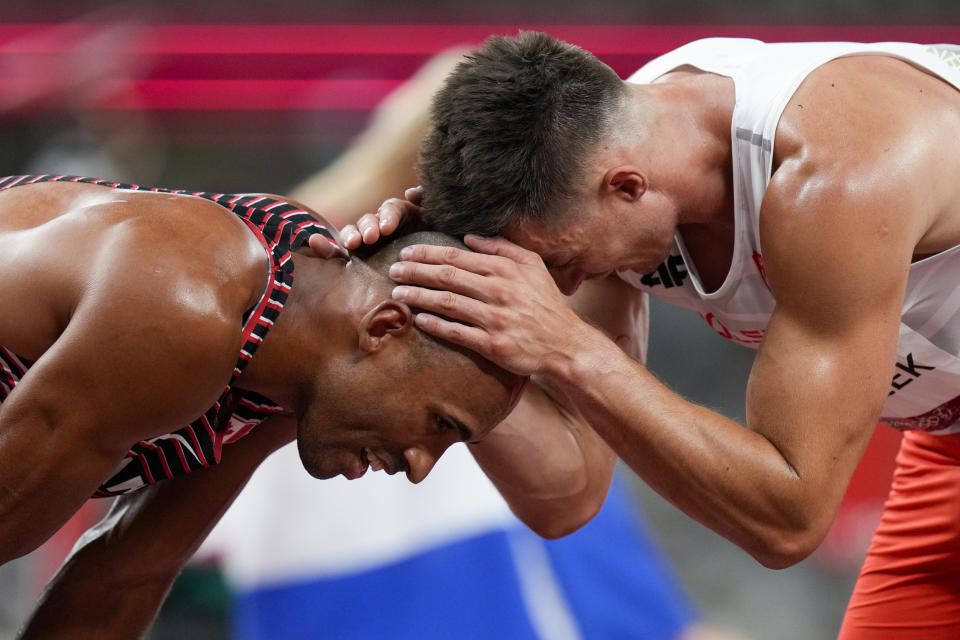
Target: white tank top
{"x": 925, "y": 389}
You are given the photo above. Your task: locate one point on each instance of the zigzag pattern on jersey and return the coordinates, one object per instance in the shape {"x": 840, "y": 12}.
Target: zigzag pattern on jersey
{"x": 282, "y": 228}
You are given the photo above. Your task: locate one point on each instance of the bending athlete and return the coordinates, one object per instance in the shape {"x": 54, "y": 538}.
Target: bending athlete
{"x": 803, "y": 198}
{"x": 193, "y": 334}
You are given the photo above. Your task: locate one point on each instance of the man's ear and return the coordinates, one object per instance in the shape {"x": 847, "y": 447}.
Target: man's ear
{"x": 388, "y": 318}
{"x": 624, "y": 181}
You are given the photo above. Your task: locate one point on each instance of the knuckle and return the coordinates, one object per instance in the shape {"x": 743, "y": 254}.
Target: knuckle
{"x": 450, "y": 253}
{"x": 447, "y": 301}
{"x": 498, "y": 318}
{"x": 499, "y": 346}
{"x": 498, "y": 291}
{"x": 447, "y": 275}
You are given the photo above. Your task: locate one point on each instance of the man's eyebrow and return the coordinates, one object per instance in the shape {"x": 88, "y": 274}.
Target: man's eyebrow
{"x": 465, "y": 433}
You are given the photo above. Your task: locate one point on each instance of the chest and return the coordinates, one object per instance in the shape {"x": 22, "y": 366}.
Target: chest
{"x": 709, "y": 251}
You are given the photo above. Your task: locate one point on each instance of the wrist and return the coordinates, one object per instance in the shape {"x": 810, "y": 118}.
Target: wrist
{"x": 581, "y": 357}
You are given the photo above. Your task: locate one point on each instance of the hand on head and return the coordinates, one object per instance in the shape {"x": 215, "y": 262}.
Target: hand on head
{"x": 393, "y": 214}
{"x": 389, "y": 217}
{"x": 498, "y": 300}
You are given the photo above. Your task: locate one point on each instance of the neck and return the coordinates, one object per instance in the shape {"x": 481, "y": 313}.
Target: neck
{"x": 314, "y": 328}
{"x": 692, "y": 112}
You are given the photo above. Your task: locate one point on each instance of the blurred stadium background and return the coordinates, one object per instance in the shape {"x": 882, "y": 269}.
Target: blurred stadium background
{"x": 255, "y": 95}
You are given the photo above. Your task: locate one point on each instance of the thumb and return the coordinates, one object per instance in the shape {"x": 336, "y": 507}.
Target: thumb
{"x": 324, "y": 247}
{"x": 414, "y": 195}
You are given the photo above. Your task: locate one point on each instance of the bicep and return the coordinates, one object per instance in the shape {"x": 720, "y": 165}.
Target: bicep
{"x": 122, "y": 370}
{"x": 816, "y": 394}
{"x": 823, "y": 370}
{"x": 128, "y": 367}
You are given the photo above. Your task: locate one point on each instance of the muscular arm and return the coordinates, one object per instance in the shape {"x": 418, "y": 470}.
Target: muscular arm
{"x": 823, "y": 370}
{"x": 105, "y": 384}
{"x": 117, "y": 576}
{"x": 816, "y": 388}
{"x": 140, "y": 332}
{"x": 552, "y": 469}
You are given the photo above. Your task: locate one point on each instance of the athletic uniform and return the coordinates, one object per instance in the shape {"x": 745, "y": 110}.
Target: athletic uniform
{"x": 916, "y": 551}
{"x": 281, "y": 227}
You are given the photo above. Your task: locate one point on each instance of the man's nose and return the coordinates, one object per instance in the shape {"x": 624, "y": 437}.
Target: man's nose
{"x": 420, "y": 463}
{"x": 568, "y": 279}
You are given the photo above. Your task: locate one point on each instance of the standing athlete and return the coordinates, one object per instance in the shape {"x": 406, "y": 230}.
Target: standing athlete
{"x": 803, "y": 198}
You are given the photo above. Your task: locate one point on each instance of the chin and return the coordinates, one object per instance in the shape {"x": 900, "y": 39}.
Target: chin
{"x": 313, "y": 462}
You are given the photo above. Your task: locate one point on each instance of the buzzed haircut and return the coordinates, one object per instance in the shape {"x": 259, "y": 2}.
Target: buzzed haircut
{"x": 511, "y": 128}
{"x": 380, "y": 255}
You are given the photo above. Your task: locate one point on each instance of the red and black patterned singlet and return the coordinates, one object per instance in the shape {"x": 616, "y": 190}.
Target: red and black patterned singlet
{"x": 281, "y": 227}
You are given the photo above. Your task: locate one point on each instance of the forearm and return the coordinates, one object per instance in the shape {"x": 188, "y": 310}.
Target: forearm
{"x": 117, "y": 576}
{"x": 550, "y": 467}
{"x": 729, "y": 478}
{"x": 90, "y": 597}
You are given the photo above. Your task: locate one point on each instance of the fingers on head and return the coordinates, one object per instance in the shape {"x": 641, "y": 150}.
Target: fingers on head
{"x": 501, "y": 247}
{"x": 414, "y": 195}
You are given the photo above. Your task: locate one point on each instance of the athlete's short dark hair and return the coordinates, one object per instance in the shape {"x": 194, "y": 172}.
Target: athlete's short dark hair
{"x": 511, "y": 128}
{"x": 381, "y": 255}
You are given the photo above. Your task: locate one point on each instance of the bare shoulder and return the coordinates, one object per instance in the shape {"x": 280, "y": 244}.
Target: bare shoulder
{"x": 135, "y": 301}
{"x": 862, "y": 159}
{"x": 184, "y": 242}
{"x": 85, "y": 245}
{"x": 877, "y": 130}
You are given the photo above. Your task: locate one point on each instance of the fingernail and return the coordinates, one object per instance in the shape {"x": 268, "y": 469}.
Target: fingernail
{"x": 396, "y": 270}
{"x": 400, "y": 293}
{"x": 406, "y": 253}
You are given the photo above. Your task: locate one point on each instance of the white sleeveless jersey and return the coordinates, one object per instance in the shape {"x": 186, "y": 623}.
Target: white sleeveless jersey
{"x": 925, "y": 389}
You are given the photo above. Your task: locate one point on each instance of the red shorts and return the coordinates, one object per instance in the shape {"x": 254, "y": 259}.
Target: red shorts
{"x": 909, "y": 587}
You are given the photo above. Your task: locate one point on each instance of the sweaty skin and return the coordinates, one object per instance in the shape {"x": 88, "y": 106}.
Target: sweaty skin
{"x": 556, "y": 500}
{"x": 108, "y": 328}
{"x": 122, "y": 297}
{"x": 862, "y": 149}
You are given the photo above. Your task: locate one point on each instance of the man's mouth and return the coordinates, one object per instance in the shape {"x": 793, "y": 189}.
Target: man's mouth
{"x": 385, "y": 460}
{"x": 376, "y": 462}
{"x": 356, "y": 468}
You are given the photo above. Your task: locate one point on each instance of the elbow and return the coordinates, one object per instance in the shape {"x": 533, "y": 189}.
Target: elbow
{"x": 785, "y": 548}
{"x": 555, "y": 530}
{"x": 561, "y": 522}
